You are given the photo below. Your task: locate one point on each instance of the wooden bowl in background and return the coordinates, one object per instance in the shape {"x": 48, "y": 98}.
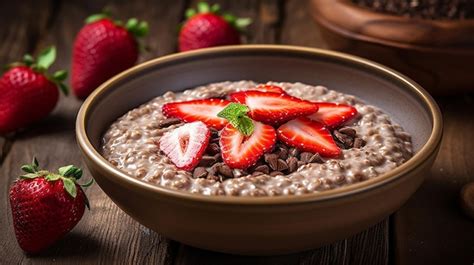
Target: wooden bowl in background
{"x": 437, "y": 54}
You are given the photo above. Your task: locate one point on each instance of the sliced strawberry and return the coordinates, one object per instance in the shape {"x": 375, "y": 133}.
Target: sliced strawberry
{"x": 333, "y": 114}
{"x": 268, "y": 88}
{"x": 239, "y": 151}
{"x": 204, "y": 110}
{"x": 308, "y": 135}
{"x": 273, "y": 108}
{"x": 185, "y": 145}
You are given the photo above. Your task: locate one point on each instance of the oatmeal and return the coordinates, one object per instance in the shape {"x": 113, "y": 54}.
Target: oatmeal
{"x": 370, "y": 145}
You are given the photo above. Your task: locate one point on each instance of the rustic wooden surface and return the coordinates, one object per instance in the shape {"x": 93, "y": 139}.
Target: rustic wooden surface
{"x": 429, "y": 229}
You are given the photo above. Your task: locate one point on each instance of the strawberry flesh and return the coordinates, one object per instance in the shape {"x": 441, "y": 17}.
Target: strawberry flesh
{"x": 273, "y": 108}
{"x": 308, "y": 135}
{"x": 333, "y": 114}
{"x": 239, "y": 151}
{"x": 185, "y": 145}
{"x": 204, "y": 110}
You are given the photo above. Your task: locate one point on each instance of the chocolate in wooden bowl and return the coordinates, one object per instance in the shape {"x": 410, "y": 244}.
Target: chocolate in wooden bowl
{"x": 262, "y": 225}
{"x": 435, "y": 53}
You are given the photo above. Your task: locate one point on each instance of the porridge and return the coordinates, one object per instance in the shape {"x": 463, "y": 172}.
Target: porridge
{"x": 274, "y": 139}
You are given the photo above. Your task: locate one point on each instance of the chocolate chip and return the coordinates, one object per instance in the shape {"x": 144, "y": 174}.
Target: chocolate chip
{"x": 213, "y": 177}
{"x": 272, "y": 160}
{"x": 292, "y": 163}
{"x": 300, "y": 163}
{"x": 358, "y": 142}
{"x": 168, "y": 122}
{"x": 316, "y": 158}
{"x": 340, "y": 145}
{"x": 346, "y": 140}
{"x": 225, "y": 171}
{"x": 348, "y": 131}
{"x": 214, "y": 168}
{"x": 218, "y": 157}
{"x": 282, "y": 165}
{"x": 293, "y": 152}
{"x": 215, "y": 140}
{"x": 305, "y": 157}
{"x": 199, "y": 172}
{"x": 283, "y": 153}
{"x": 213, "y": 148}
{"x": 276, "y": 173}
{"x": 207, "y": 161}
{"x": 263, "y": 168}
{"x": 257, "y": 173}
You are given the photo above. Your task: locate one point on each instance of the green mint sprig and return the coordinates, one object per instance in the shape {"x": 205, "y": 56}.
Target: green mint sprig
{"x": 236, "y": 114}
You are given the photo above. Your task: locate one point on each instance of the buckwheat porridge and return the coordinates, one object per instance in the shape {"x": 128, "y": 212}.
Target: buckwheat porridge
{"x": 350, "y": 142}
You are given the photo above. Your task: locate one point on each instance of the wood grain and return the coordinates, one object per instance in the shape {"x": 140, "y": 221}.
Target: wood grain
{"x": 431, "y": 228}
{"x": 105, "y": 235}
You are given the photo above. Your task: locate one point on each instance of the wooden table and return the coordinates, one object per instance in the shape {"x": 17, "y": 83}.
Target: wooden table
{"x": 429, "y": 229}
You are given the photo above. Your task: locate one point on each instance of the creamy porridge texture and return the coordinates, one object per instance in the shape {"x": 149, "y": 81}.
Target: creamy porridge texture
{"x": 131, "y": 145}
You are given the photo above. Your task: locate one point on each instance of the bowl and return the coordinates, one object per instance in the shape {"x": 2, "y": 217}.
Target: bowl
{"x": 435, "y": 53}
{"x": 268, "y": 225}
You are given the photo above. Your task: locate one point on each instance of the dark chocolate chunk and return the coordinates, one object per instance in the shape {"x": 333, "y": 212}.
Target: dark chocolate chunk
{"x": 207, "y": 161}
{"x": 225, "y": 171}
{"x": 214, "y": 133}
{"x": 168, "y": 122}
{"x": 358, "y": 142}
{"x": 348, "y": 131}
{"x": 316, "y": 158}
{"x": 263, "y": 168}
{"x": 213, "y": 148}
{"x": 199, "y": 172}
{"x": 272, "y": 160}
{"x": 346, "y": 140}
{"x": 305, "y": 157}
{"x": 283, "y": 153}
{"x": 276, "y": 173}
{"x": 282, "y": 165}
{"x": 257, "y": 173}
{"x": 292, "y": 163}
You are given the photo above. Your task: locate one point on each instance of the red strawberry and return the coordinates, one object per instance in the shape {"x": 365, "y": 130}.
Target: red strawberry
{"x": 273, "y": 108}
{"x": 102, "y": 49}
{"x": 27, "y": 93}
{"x": 240, "y": 151}
{"x": 269, "y": 88}
{"x": 204, "y": 110}
{"x": 45, "y": 205}
{"x": 333, "y": 114}
{"x": 208, "y": 28}
{"x": 308, "y": 135}
{"x": 185, "y": 145}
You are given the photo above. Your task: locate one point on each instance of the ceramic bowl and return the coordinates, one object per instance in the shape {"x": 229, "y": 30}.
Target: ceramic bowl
{"x": 435, "y": 53}
{"x": 268, "y": 225}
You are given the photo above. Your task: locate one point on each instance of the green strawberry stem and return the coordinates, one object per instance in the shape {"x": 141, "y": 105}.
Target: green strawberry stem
{"x": 69, "y": 175}
{"x": 41, "y": 65}
{"x": 203, "y": 7}
{"x": 236, "y": 114}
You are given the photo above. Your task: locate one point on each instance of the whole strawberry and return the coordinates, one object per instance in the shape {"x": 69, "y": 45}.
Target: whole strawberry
{"x": 208, "y": 28}
{"x": 45, "y": 205}
{"x": 102, "y": 49}
{"x": 27, "y": 92}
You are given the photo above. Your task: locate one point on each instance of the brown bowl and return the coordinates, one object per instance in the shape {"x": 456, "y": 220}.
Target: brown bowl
{"x": 435, "y": 53}
{"x": 268, "y": 225}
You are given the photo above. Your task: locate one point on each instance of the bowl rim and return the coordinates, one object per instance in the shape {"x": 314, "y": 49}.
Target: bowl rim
{"x": 425, "y": 152}
{"x": 359, "y": 12}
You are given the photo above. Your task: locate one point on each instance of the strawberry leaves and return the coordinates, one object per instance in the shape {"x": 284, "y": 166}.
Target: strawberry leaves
{"x": 203, "y": 7}
{"x": 236, "y": 114}
{"x": 67, "y": 174}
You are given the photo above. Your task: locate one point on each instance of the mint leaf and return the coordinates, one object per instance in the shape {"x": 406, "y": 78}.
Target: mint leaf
{"x": 236, "y": 114}
{"x": 70, "y": 187}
